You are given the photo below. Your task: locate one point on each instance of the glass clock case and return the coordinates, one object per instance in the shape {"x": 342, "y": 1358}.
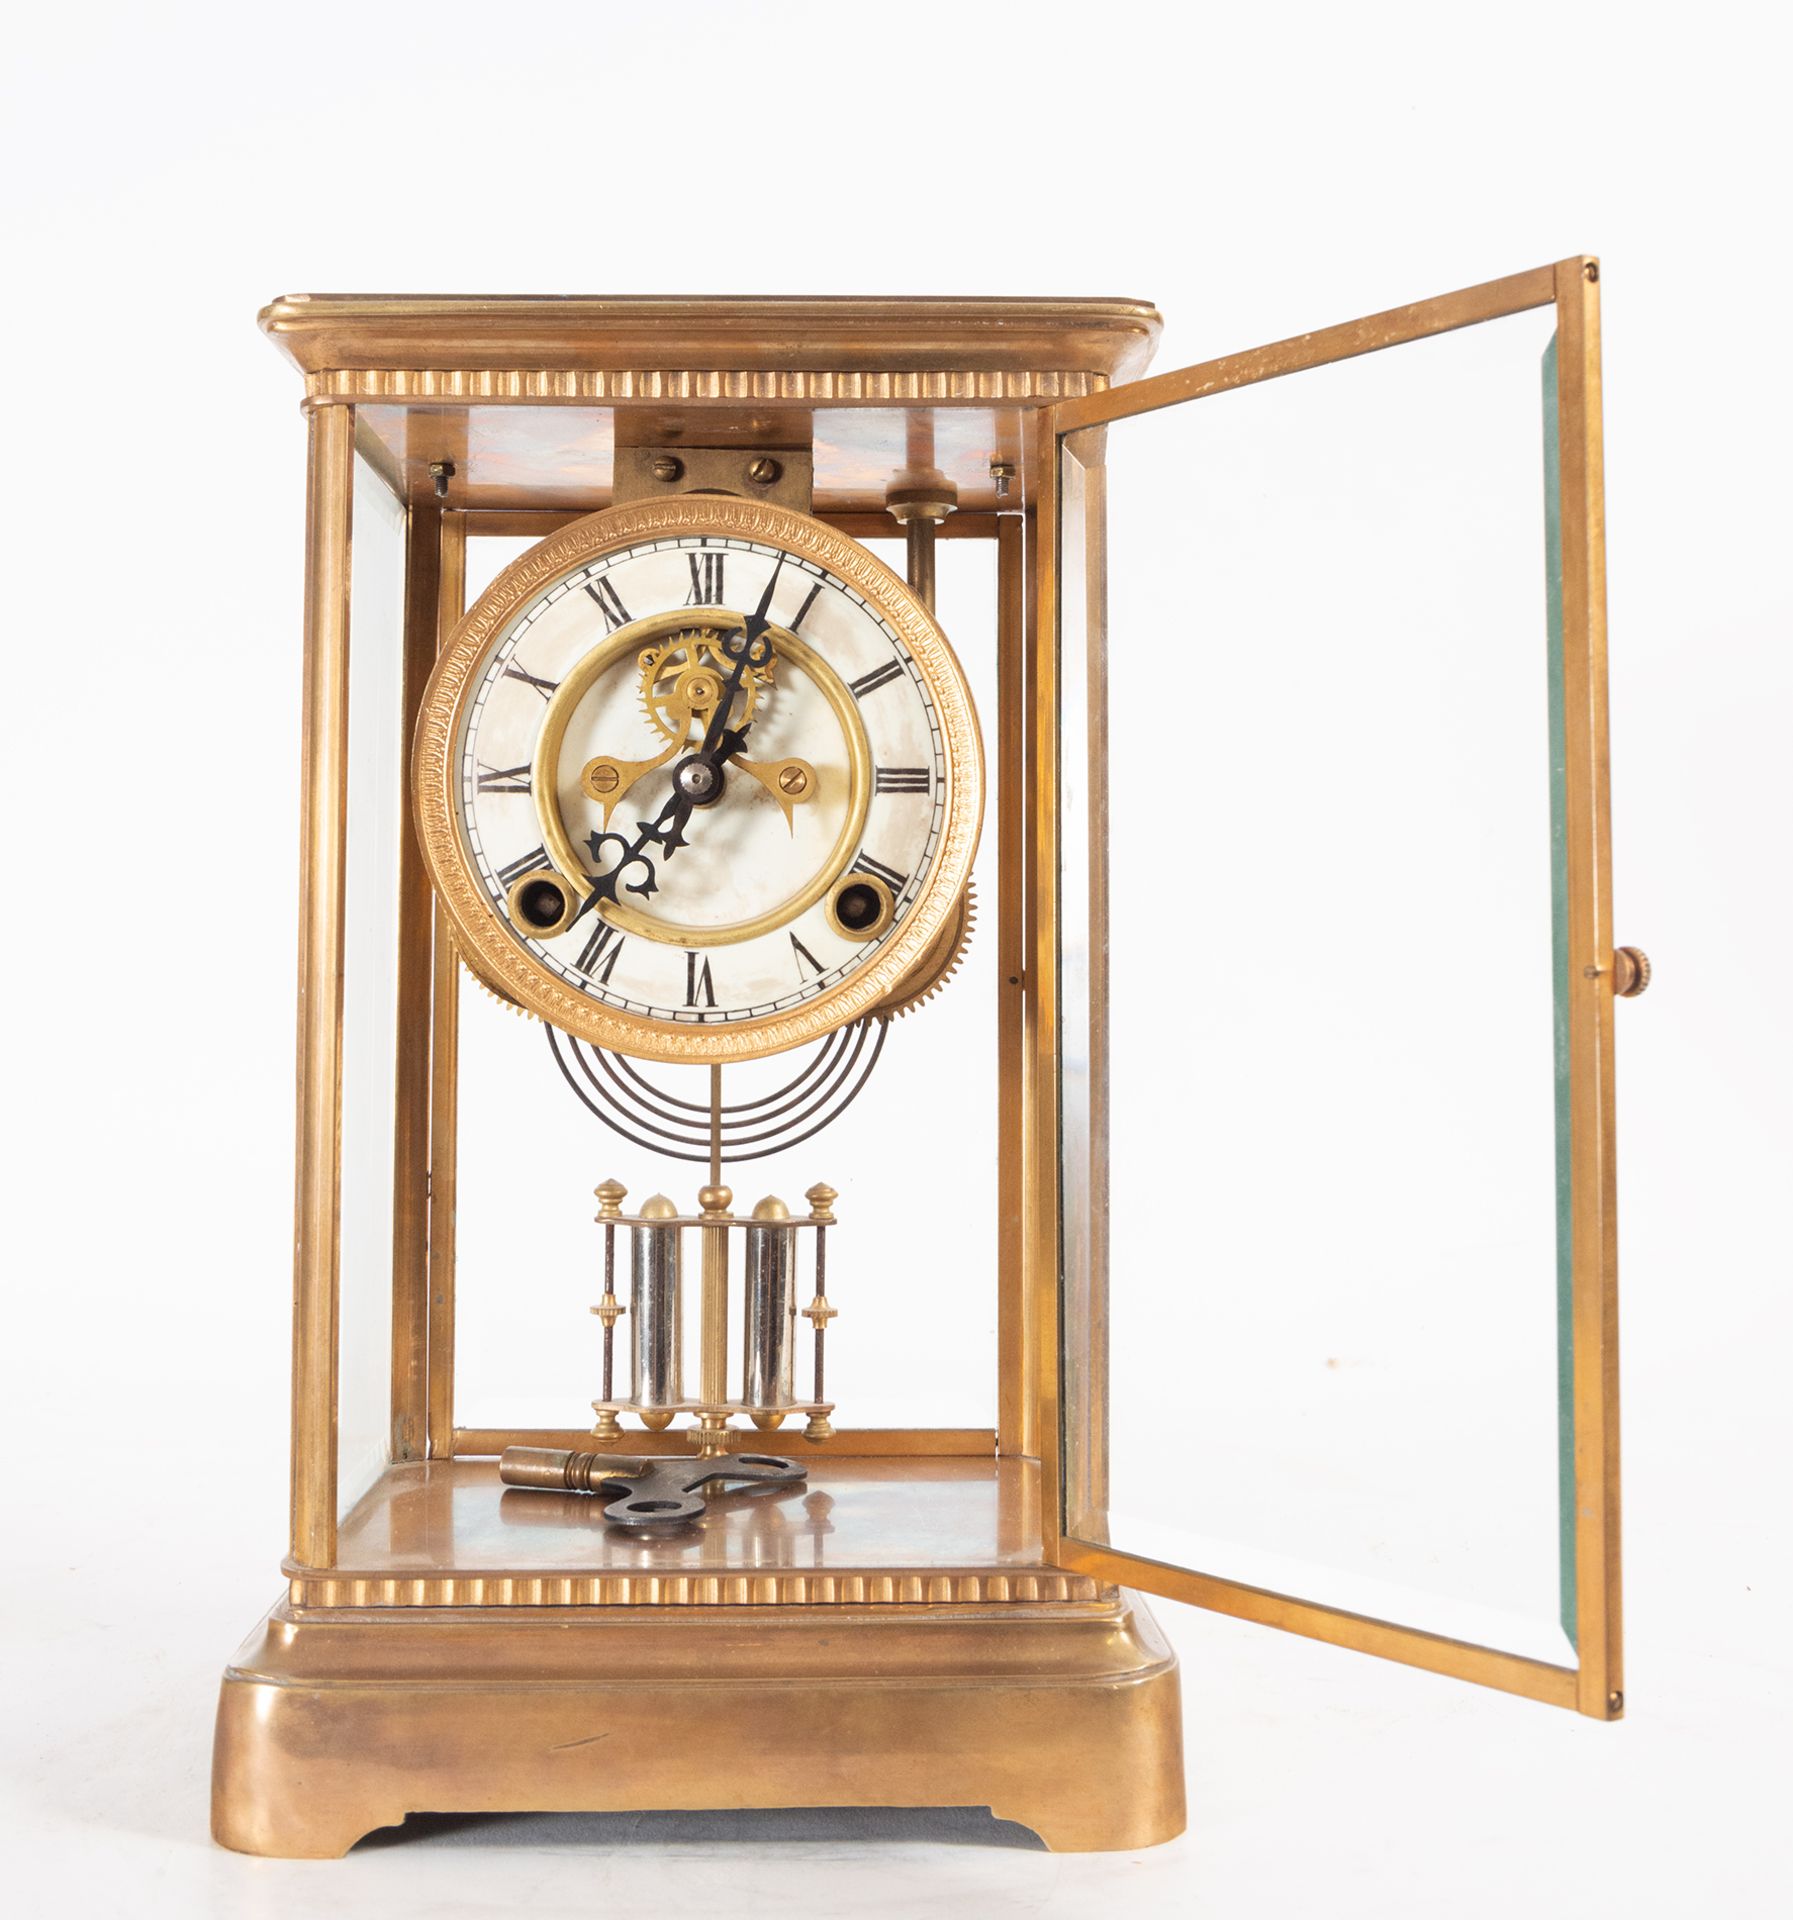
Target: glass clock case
{"x": 1223, "y": 1211}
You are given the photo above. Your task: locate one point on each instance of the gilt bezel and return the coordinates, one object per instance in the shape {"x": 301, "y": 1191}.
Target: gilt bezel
{"x": 488, "y": 944}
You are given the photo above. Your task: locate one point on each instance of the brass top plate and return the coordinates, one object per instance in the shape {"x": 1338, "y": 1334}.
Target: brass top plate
{"x": 326, "y": 332}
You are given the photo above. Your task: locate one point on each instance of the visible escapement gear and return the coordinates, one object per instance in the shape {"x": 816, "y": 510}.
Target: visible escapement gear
{"x": 682, "y": 677}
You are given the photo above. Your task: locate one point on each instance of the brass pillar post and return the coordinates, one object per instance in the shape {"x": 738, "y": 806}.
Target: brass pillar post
{"x": 918, "y": 500}
{"x": 323, "y": 836}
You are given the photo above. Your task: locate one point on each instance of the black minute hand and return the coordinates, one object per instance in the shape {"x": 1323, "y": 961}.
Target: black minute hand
{"x": 755, "y": 652}
{"x": 757, "y": 620}
{"x": 720, "y": 744}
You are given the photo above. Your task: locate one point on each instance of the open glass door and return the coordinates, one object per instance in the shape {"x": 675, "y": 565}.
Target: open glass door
{"x": 1335, "y": 980}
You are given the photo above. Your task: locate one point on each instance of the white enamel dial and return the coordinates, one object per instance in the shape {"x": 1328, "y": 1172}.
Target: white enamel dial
{"x": 702, "y": 779}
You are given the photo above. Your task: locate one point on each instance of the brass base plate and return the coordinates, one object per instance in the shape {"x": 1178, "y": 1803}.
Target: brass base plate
{"x": 1065, "y": 1719}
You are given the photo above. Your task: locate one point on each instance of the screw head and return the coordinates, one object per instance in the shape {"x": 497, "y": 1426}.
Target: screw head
{"x": 601, "y": 779}
{"x": 793, "y": 779}
{"x": 667, "y": 466}
{"x": 763, "y": 471}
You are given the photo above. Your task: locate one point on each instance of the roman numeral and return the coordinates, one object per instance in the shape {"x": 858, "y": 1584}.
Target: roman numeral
{"x": 706, "y": 579}
{"x": 544, "y": 687}
{"x": 879, "y": 871}
{"x": 597, "y": 958}
{"x": 878, "y": 677}
{"x": 804, "y": 957}
{"x": 809, "y": 600}
{"x": 503, "y": 779}
{"x": 535, "y": 860}
{"x": 614, "y": 612}
{"x": 901, "y": 780}
{"x": 700, "y": 989}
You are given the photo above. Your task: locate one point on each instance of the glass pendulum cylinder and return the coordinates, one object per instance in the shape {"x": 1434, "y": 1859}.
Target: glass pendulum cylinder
{"x": 770, "y": 1316}
{"x": 656, "y": 1309}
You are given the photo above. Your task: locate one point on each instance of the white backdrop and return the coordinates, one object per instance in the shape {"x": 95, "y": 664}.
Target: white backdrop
{"x": 172, "y": 169}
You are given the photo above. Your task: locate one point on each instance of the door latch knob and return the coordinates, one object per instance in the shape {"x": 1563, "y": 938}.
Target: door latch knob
{"x": 1631, "y": 971}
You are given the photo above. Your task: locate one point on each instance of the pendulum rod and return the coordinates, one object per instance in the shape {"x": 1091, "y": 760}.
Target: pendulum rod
{"x": 712, "y": 1417}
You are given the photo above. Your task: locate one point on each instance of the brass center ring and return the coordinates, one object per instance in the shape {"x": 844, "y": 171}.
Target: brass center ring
{"x": 631, "y": 918}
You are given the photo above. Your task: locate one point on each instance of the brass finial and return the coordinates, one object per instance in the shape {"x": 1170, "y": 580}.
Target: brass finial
{"x": 610, "y": 1195}
{"x": 771, "y": 1208}
{"x": 821, "y": 1200}
{"x": 713, "y": 1202}
{"x": 659, "y": 1208}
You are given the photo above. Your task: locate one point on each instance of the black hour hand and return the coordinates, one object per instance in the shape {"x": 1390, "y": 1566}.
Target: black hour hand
{"x": 667, "y": 833}
{"x": 629, "y": 857}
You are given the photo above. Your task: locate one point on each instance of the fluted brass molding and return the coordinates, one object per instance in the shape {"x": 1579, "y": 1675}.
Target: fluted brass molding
{"x": 799, "y": 1589}
{"x": 843, "y": 351}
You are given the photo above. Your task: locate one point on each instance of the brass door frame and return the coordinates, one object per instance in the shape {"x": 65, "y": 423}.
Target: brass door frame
{"x": 1595, "y": 1685}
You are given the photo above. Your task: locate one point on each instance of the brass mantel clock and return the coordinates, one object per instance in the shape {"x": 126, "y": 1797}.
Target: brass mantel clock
{"x": 1233, "y": 1218}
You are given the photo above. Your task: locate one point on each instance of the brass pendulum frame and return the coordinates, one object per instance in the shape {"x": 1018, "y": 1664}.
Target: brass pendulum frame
{"x": 610, "y": 1196}
{"x": 819, "y": 1312}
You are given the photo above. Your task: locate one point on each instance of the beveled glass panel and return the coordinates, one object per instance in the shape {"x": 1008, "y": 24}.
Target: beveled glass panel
{"x": 377, "y": 754}
{"x": 1314, "y": 1102}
